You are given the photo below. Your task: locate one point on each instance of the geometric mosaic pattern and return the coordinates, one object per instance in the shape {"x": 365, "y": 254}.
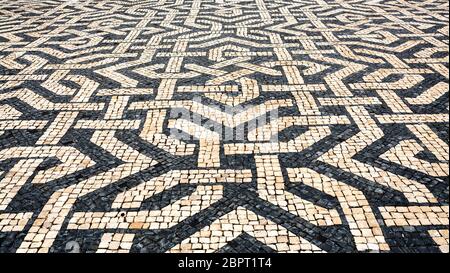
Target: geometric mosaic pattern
{"x": 88, "y": 162}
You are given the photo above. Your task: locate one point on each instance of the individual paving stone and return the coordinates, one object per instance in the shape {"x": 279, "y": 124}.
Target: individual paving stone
{"x": 254, "y": 126}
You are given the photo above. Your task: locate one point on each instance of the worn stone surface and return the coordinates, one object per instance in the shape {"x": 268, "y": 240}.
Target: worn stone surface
{"x": 129, "y": 126}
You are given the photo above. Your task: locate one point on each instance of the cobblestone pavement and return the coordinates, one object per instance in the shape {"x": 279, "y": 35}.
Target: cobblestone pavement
{"x": 224, "y": 126}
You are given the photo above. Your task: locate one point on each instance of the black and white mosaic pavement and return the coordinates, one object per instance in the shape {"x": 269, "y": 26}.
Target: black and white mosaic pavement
{"x": 224, "y": 126}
